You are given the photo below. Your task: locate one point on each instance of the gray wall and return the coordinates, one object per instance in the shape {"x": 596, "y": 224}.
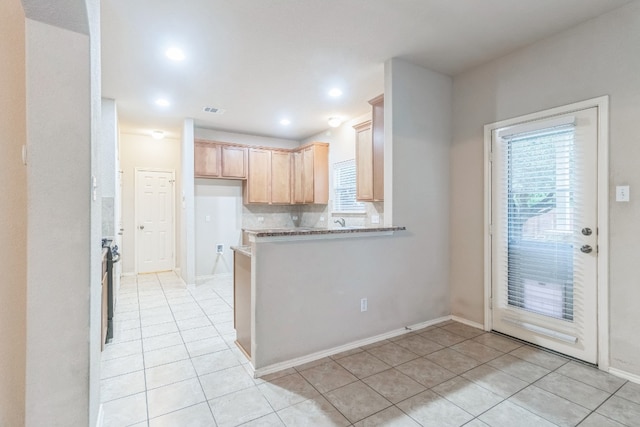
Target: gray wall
{"x": 599, "y": 57}
{"x": 59, "y": 113}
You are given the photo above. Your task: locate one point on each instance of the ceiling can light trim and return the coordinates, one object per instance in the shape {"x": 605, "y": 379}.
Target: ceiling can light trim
{"x": 335, "y": 121}
{"x": 162, "y": 102}
{"x": 335, "y": 92}
{"x": 175, "y": 54}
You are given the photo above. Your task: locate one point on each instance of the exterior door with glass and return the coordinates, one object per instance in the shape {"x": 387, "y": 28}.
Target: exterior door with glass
{"x": 544, "y": 232}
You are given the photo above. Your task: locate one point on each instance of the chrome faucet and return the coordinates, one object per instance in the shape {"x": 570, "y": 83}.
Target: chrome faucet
{"x": 340, "y": 221}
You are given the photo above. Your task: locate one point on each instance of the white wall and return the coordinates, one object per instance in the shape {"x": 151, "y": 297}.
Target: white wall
{"x": 142, "y": 151}
{"x": 108, "y": 170}
{"x": 13, "y": 216}
{"x": 187, "y": 205}
{"x": 59, "y": 213}
{"x": 218, "y": 220}
{"x": 599, "y": 57}
{"x": 243, "y": 138}
{"x": 404, "y": 277}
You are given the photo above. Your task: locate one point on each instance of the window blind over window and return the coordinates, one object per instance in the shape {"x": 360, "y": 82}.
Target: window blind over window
{"x": 344, "y": 183}
{"x": 541, "y": 214}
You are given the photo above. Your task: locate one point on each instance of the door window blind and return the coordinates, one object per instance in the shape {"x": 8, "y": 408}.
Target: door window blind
{"x": 540, "y": 195}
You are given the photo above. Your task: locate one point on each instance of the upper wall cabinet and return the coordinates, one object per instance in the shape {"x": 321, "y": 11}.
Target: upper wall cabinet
{"x": 280, "y": 176}
{"x": 370, "y": 154}
{"x": 311, "y": 174}
{"x": 219, "y": 160}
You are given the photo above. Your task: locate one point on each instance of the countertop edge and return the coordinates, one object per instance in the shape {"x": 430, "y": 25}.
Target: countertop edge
{"x": 321, "y": 232}
{"x": 244, "y": 250}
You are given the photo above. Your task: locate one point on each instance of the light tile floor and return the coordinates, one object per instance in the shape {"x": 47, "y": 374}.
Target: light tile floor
{"x": 173, "y": 362}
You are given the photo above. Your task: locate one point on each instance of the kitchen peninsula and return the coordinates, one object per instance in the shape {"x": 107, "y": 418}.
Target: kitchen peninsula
{"x": 298, "y": 292}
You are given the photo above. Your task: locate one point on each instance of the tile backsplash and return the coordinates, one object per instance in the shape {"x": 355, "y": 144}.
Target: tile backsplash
{"x": 318, "y": 216}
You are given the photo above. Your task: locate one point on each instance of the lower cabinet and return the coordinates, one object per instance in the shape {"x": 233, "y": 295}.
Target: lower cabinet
{"x": 242, "y": 300}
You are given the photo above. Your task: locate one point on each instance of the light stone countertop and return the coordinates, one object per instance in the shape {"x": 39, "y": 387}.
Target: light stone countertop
{"x": 310, "y": 231}
{"x": 244, "y": 250}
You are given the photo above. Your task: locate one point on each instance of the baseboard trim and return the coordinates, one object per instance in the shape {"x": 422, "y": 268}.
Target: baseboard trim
{"x": 467, "y": 322}
{"x": 276, "y": 367}
{"x": 624, "y": 374}
{"x": 214, "y": 276}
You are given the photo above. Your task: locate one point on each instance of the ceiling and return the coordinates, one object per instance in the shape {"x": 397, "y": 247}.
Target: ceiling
{"x": 264, "y": 60}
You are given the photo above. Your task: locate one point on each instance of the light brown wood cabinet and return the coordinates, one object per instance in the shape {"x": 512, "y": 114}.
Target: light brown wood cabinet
{"x": 219, "y": 160}
{"x": 370, "y": 154}
{"x": 242, "y": 301}
{"x": 257, "y": 187}
{"x": 280, "y": 177}
{"x": 297, "y": 178}
{"x": 315, "y": 173}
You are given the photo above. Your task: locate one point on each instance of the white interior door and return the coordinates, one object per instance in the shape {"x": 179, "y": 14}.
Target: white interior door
{"x": 154, "y": 220}
{"x": 544, "y": 236}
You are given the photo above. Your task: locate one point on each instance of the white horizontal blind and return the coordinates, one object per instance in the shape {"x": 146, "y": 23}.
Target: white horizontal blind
{"x": 344, "y": 184}
{"x": 541, "y": 212}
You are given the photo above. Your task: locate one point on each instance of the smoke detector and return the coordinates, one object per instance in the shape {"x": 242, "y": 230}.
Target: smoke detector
{"x": 214, "y": 110}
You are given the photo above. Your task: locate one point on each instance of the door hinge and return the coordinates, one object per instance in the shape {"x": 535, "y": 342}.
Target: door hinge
{"x": 490, "y": 156}
{"x": 491, "y": 302}
{"x": 491, "y": 229}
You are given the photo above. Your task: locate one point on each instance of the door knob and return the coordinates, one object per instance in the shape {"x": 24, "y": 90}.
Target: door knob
{"x": 586, "y": 249}
{"x": 587, "y": 231}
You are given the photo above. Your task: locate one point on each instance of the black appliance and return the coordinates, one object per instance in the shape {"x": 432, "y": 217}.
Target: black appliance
{"x": 113, "y": 256}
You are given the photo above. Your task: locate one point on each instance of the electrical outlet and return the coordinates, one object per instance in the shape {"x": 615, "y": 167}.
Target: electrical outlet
{"x": 363, "y": 305}
{"x": 207, "y": 218}
{"x": 375, "y": 219}
{"x": 260, "y": 219}
{"x": 219, "y": 248}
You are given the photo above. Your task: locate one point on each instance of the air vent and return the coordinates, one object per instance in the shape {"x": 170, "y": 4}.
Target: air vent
{"x": 213, "y": 110}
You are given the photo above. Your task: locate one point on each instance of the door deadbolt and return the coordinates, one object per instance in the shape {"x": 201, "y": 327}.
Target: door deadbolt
{"x": 587, "y": 231}
{"x": 586, "y": 249}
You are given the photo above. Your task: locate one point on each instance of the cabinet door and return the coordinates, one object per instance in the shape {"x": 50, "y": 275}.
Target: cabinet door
{"x": 234, "y": 162}
{"x": 206, "y": 159}
{"x": 259, "y": 176}
{"x": 298, "y": 188}
{"x": 307, "y": 173}
{"x": 280, "y": 177}
{"x": 377, "y": 138}
{"x": 364, "y": 162}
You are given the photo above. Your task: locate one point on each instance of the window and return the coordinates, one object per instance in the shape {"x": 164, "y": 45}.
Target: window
{"x": 344, "y": 184}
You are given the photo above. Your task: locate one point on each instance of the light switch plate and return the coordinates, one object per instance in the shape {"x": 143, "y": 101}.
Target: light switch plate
{"x": 622, "y": 193}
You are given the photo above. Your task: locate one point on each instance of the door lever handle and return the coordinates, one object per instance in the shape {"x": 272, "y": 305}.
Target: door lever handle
{"x": 586, "y": 249}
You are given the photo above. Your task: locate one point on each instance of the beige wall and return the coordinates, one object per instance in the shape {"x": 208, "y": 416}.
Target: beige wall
{"x": 142, "y": 151}
{"x": 599, "y": 57}
{"x": 13, "y": 215}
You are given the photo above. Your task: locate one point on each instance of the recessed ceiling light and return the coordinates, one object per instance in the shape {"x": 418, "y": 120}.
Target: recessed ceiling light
{"x": 285, "y": 122}
{"x": 174, "y": 54}
{"x": 335, "y": 121}
{"x": 157, "y": 134}
{"x": 162, "y": 102}
{"x": 335, "y": 92}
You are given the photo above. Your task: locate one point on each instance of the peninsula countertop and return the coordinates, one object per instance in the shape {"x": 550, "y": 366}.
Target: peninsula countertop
{"x": 311, "y": 232}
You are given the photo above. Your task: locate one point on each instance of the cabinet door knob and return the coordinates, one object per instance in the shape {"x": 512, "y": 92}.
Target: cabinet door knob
{"x": 141, "y": 227}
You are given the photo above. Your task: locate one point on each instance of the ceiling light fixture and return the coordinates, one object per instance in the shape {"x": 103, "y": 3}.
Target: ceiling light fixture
{"x": 157, "y": 134}
{"x": 335, "y": 121}
{"x": 335, "y": 92}
{"x": 174, "y": 54}
{"x": 285, "y": 122}
{"x": 162, "y": 102}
